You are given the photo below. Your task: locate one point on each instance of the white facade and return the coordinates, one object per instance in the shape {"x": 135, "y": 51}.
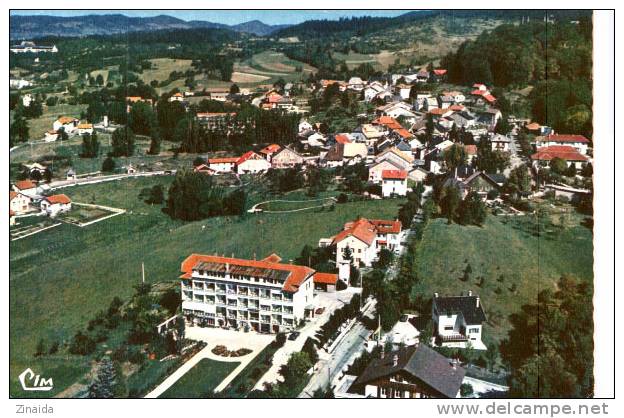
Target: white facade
{"x": 253, "y": 164}
{"x": 361, "y": 252}
{"x": 221, "y": 166}
{"x": 452, "y": 328}
{"x": 53, "y": 209}
{"x": 19, "y": 203}
{"x": 16, "y": 83}
{"x": 242, "y": 301}
{"x": 391, "y": 187}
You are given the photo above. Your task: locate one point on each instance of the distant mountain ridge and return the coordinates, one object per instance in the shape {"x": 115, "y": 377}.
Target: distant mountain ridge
{"x": 37, "y": 26}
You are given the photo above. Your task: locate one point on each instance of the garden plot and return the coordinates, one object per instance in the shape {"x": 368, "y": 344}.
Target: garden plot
{"x": 30, "y": 227}
{"x": 83, "y": 214}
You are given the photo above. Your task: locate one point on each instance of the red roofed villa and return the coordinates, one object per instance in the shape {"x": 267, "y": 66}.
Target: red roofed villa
{"x": 569, "y": 154}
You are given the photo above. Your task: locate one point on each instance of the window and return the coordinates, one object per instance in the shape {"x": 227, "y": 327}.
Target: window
{"x": 397, "y": 393}
{"x": 382, "y": 391}
{"x": 448, "y": 328}
{"x": 473, "y": 330}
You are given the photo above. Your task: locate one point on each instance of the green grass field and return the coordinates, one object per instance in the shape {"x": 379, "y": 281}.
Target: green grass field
{"x": 201, "y": 379}
{"x": 39, "y": 126}
{"x": 504, "y": 253}
{"x": 67, "y": 274}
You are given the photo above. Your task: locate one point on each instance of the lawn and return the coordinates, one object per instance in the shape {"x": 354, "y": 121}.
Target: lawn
{"x": 201, "y": 379}
{"x": 505, "y": 253}
{"x": 70, "y": 273}
{"x": 39, "y": 126}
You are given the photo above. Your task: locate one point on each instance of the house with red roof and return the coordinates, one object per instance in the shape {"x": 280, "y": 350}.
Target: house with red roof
{"x": 364, "y": 238}
{"x": 569, "y": 154}
{"x": 265, "y": 296}
{"x": 252, "y": 163}
{"x": 286, "y": 158}
{"x": 222, "y": 164}
{"x": 26, "y": 187}
{"x": 393, "y": 183}
{"x": 55, "y": 204}
{"x": 579, "y": 142}
{"x": 268, "y": 151}
{"x": 19, "y": 203}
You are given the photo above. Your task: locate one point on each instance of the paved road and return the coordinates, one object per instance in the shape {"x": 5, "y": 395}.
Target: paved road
{"x": 330, "y": 366}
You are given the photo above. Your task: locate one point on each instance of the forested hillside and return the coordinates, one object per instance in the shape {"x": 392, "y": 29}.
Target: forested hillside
{"x": 556, "y": 59}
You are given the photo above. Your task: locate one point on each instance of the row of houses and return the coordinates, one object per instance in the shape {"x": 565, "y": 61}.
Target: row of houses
{"x": 26, "y": 197}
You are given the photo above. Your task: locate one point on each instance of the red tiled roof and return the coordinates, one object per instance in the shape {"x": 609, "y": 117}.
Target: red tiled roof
{"x": 457, "y": 107}
{"x": 439, "y": 71}
{"x": 25, "y": 184}
{"x": 274, "y": 98}
{"x": 439, "y": 111}
{"x": 388, "y": 121}
{"x": 361, "y": 229}
{"x": 533, "y": 126}
{"x": 404, "y": 133}
{"x": 394, "y": 174}
{"x": 566, "y": 138}
{"x": 558, "y": 151}
{"x": 298, "y": 274}
{"x": 342, "y": 139}
{"x": 477, "y": 92}
{"x": 489, "y": 98}
{"x": 222, "y": 160}
{"x": 386, "y": 227}
{"x": 58, "y": 198}
{"x": 246, "y": 156}
{"x": 273, "y": 258}
{"x": 270, "y": 149}
{"x": 325, "y": 278}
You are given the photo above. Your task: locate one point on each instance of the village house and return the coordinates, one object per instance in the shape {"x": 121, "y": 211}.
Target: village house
{"x": 26, "y": 187}
{"x": 399, "y": 158}
{"x": 479, "y": 182}
{"x": 222, "y": 164}
{"x": 55, "y": 204}
{"x": 67, "y": 123}
{"x": 19, "y": 203}
{"x": 458, "y": 321}
{"x": 85, "y": 128}
{"x": 569, "y": 154}
{"x": 356, "y": 84}
{"x": 176, "y": 97}
{"x": 286, "y": 158}
{"x": 251, "y": 163}
{"x": 19, "y": 83}
{"x": 410, "y": 372}
{"x": 579, "y": 142}
{"x": 263, "y": 296}
{"x": 364, "y": 238}
{"x": 418, "y": 175}
{"x": 326, "y": 282}
{"x": 50, "y": 136}
{"x": 393, "y": 183}
{"x": 270, "y": 150}
{"x": 204, "y": 169}
{"x": 490, "y": 117}
{"x": 500, "y": 143}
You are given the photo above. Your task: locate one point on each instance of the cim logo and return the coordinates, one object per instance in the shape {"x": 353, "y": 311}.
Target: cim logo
{"x": 31, "y": 381}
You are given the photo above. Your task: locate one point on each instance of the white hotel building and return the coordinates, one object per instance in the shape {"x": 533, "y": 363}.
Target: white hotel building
{"x": 263, "y": 296}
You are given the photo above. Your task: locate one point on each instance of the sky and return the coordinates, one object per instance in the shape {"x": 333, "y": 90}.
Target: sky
{"x": 229, "y": 17}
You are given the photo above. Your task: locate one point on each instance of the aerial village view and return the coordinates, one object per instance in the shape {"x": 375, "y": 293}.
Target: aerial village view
{"x": 374, "y": 204}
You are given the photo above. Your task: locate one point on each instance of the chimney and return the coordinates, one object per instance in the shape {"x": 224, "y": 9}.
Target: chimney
{"x": 477, "y": 301}
{"x": 395, "y": 360}
{"x": 470, "y": 293}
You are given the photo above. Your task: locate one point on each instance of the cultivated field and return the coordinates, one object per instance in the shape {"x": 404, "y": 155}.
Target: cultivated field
{"x": 61, "y": 277}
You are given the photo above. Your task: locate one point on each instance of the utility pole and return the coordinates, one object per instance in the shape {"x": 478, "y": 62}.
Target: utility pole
{"x": 143, "y": 271}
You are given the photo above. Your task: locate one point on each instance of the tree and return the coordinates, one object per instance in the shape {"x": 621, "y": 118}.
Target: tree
{"x": 550, "y": 346}
{"x": 519, "y": 180}
{"x": 296, "y": 367}
{"x": 103, "y": 386}
{"x": 454, "y": 156}
{"x": 142, "y": 119}
{"x": 19, "y": 131}
{"x": 502, "y": 126}
{"x": 90, "y": 145}
{"x": 108, "y": 165}
{"x": 558, "y": 166}
{"x": 156, "y": 195}
{"x": 234, "y": 89}
{"x": 472, "y": 210}
{"x": 123, "y": 142}
{"x": 82, "y": 344}
{"x": 449, "y": 202}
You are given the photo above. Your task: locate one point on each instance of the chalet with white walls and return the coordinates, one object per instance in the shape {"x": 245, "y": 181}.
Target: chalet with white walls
{"x": 458, "y": 321}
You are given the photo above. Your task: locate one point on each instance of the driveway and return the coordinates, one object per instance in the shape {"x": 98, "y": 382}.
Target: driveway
{"x": 331, "y": 302}
{"x": 233, "y": 340}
